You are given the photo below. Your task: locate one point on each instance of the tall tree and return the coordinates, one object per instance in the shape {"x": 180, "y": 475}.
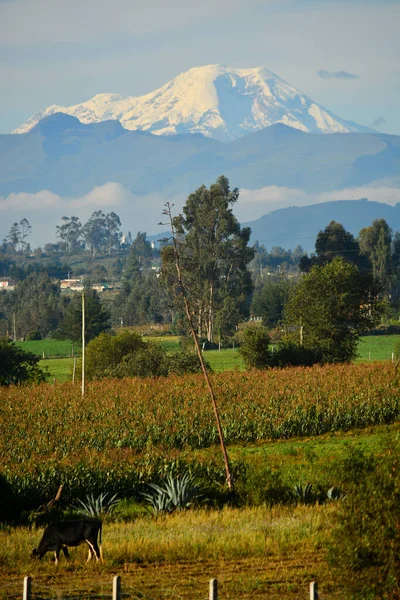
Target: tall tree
{"x": 269, "y": 300}
{"x": 142, "y": 248}
{"x": 375, "y": 243}
{"x": 97, "y": 318}
{"x": 94, "y": 232}
{"x": 16, "y": 238}
{"x": 113, "y": 232}
{"x": 214, "y": 254}
{"x": 36, "y": 305}
{"x": 331, "y": 307}
{"x": 332, "y": 242}
{"x": 70, "y": 233}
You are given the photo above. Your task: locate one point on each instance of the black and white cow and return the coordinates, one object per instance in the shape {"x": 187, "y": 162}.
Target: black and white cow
{"x": 58, "y": 536}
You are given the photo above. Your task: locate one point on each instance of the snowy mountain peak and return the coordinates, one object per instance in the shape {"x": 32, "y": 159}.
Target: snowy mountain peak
{"x": 220, "y": 102}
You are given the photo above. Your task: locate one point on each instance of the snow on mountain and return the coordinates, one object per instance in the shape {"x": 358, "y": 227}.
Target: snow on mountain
{"x": 220, "y": 102}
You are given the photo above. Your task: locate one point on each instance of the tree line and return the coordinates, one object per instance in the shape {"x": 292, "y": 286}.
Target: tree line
{"x": 228, "y": 281}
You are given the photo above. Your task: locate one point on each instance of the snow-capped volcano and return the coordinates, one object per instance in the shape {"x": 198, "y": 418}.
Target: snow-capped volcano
{"x": 220, "y": 102}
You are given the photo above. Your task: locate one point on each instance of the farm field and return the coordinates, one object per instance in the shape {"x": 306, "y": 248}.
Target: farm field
{"x": 371, "y": 348}
{"x": 254, "y": 553}
{"x": 282, "y": 427}
{"x": 50, "y": 348}
{"x": 130, "y": 430}
{"x": 377, "y": 347}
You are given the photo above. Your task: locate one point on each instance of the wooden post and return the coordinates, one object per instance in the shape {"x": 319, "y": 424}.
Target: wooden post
{"x": 74, "y": 370}
{"x": 83, "y": 344}
{"x": 116, "y": 591}
{"x": 313, "y": 590}
{"x": 213, "y": 589}
{"x": 26, "y": 595}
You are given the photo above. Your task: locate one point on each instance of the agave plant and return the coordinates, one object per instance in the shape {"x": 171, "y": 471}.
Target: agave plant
{"x": 176, "y": 493}
{"x": 304, "y": 494}
{"x": 96, "y": 506}
{"x": 335, "y": 493}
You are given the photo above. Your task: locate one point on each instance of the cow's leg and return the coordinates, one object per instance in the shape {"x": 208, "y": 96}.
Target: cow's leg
{"x": 57, "y": 555}
{"x": 90, "y": 552}
{"x": 93, "y": 549}
{"x": 65, "y": 550}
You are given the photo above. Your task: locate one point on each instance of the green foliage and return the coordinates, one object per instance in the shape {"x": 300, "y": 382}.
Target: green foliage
{"x": 289, "y": 354}
{"x": 269, "y": 300}
{"x": 34, "y": 335}
{"x": 174, "y": 493}
{"x": 97, "y": 318}
{"x": 365, "y": 547}
{"x": 17, "y": 366}
{"x": 128, "y": 355}
{"x": 214, "y": 253}
{"x": 105, "y": 353}
{"x": 149, "y": 361}
{"x": 330, "y": 308}
{"x": 35, "y": 305}
{"x": 255, "y": 348}
{"x": 304, "y": 494}
{"x": 96, "y": 506}
{"x": 185, "y": 362}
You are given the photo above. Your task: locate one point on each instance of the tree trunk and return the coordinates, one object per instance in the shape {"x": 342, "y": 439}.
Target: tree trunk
{"x": 210, "y": 332}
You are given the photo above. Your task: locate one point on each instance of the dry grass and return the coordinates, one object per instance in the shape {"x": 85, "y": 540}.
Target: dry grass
{"x": 253, "y": 552}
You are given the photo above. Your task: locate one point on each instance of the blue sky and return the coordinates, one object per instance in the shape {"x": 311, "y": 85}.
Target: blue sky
{"x": 344, "y": 54}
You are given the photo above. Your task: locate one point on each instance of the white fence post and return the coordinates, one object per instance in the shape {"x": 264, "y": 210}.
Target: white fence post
{"x": 313, "y": 590}
{"x": 116, "y": 591}
{"x": 26, "y": 595}
{"x": 213, "y": 589}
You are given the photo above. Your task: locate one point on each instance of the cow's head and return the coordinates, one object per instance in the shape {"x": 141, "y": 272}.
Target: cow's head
{"x": 35, "y": 553}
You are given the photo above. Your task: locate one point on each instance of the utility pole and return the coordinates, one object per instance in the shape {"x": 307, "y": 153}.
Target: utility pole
{"x": 83, "y": 344}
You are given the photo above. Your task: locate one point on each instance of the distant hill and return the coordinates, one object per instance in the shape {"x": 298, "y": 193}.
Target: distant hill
{"x": 289, "y": 227}
{"x": 64, "y": 167}
{"x": 64, "y": 156}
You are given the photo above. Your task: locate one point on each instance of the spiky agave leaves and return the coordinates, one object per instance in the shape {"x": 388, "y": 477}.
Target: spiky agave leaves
{"x": 175, "y": 493}
{"x": 96, "y": 506}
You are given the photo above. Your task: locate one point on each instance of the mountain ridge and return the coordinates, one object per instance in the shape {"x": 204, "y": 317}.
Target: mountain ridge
{"x": 220, "y": 102}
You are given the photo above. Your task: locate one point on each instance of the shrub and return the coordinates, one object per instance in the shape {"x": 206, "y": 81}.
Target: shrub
{"x": 183, "y": 362}
{"x": 365, "y": 547}
{"x": 289, "y": 354}
{"x": 149, "y": 361}
{"x": 18, "y": 366}
{"x": 105, "y": 353}
{"x": 255, "y": 348}
{"x": 34, "y": 335}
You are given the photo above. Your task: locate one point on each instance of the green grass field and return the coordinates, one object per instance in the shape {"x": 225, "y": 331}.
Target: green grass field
{"x": 371, "y": 348}
{"x": 377, "y": 347}
{"x": 50, "y": 348}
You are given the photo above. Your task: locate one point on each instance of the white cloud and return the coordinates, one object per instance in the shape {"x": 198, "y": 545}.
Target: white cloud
{"x": 26, "y": 202}
{"x": 108, "y": 195}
